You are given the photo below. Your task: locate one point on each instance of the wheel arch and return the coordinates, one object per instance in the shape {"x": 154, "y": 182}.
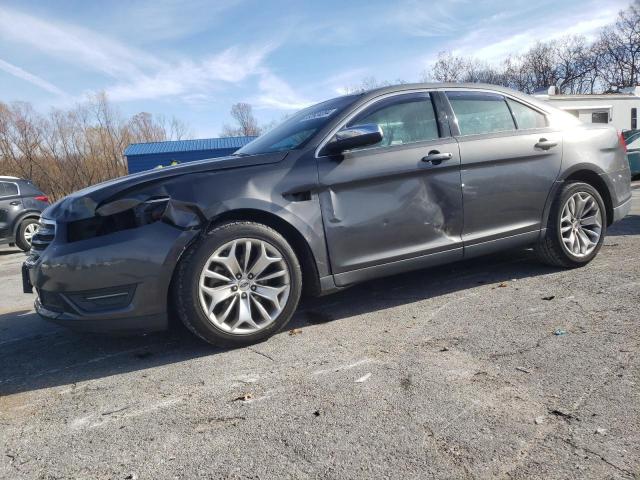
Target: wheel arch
{"x": 310, "y": 276}
{"x": 586, "y": 173}
{"x": 22, "y": 217}
{"x": 596, "y": 181}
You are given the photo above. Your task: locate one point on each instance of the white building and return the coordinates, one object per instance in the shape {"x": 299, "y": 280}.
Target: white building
{"x": 617, "y": 109}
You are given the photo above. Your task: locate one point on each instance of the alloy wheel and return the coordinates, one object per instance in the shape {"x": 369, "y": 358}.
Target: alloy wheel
{"x": 244, "y": 286}
{"x": 29, "y": 231}
{"x": 581, "y": 224}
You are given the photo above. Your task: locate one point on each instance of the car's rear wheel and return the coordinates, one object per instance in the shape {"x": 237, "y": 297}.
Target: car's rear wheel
{"x": 26, "y": 231}
{"x": 576, "y": 228}
{"x": 238, "y": 285}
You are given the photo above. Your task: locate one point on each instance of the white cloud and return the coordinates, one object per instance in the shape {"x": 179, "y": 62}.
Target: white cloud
{"x": 142, "y": 75}
{"x": 361, "y": 24}
{"x": 73, "y": 44}
{"x": 516, "y": 31}
{"x": 415, "y": 18}
{"x": 278, "y": 94}
{"x": 189, "y": 78}
{"x": 30, "y": 77}
{"x": 341, "y": 82}
{"x": 158, "y": 20}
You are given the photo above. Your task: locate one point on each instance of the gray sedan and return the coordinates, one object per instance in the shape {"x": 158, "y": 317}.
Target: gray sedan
{"x": 353, "y": 188}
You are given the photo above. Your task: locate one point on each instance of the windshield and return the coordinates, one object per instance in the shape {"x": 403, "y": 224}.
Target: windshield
{"x": 295, "y": 131}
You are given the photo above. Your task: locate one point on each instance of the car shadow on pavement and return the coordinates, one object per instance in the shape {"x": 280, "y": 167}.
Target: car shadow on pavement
{"x": 35, "y": 354}
{"x": 421, "y": 285}
{"x": 430, "y": 283}
{"x": 629, "y": 225}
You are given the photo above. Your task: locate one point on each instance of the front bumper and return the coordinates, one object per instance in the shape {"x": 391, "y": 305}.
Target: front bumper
{"x": 105, "y": 323}
{"x": 115, "y": 283}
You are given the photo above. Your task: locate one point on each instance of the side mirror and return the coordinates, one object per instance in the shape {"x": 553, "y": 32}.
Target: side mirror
{"x": 354, "y": 137}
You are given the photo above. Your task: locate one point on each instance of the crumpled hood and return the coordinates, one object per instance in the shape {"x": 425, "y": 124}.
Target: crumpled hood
{"x": 83, "y": 203}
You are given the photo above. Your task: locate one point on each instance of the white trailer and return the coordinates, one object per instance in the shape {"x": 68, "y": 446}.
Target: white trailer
{"x": 617, "y": 109}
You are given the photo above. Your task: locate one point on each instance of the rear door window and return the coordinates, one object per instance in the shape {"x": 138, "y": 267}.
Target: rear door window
{"x": 480, "y": 112}
{"x": 407, "y": 118}
{"x": 526, "y": 117}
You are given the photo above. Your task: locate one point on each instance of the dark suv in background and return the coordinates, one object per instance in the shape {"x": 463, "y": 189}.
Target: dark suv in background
{"x": 20, "y": 206}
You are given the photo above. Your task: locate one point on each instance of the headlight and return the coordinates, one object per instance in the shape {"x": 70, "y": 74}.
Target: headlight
{"x": 118, "y": 215}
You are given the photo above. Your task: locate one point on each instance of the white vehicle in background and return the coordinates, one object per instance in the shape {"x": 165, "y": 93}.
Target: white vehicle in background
{"x": 620, "y": 110}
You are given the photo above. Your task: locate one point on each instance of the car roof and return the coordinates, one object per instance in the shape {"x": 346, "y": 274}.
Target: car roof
{"x": 6, "y": 177}
{"x": 440, "y": 85}
{"x": 455, "y": 86}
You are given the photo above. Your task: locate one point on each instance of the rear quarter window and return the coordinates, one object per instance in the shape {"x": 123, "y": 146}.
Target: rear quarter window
{"x": 28, "y": 188}
{"x": 526, "y": 117}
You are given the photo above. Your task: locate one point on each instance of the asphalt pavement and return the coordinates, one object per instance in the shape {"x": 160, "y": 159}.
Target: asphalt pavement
{"x": 498, "y": 367}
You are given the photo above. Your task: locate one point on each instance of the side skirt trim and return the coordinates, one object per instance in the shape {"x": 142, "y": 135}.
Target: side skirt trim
{"x": 386, "y": 269}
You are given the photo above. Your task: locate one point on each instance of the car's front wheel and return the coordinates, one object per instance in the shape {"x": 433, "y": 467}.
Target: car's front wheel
{"x": 576, "y": 228}
{"x": 238, "y": 285}
{"x": 26, "y": 231}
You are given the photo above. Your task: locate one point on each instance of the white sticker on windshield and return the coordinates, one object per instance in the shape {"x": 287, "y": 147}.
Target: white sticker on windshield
{"x": 320, "y": 114}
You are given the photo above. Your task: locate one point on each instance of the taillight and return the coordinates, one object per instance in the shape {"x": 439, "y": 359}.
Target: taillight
{"x": 42, "y": 198}
{"x": 623, "y": 144}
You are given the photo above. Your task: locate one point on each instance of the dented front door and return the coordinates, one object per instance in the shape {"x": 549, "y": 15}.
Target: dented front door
{"x": 389, "y": 204}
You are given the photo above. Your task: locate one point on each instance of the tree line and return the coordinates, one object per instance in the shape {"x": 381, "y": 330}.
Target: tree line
{"x": 66, "y": 150}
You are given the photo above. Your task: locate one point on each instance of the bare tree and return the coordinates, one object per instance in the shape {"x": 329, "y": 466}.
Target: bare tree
{"x": 242, "y": 113}
{"x": 178, "y": 130}
{"x": 144, "y": 127}
{"x": 575, "y": 67}
{"x": 619, "y": 47}
{"x": 447, "y": 68}
{"x": 539, "y": 63}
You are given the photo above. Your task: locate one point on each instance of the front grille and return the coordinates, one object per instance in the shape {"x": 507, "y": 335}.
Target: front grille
{"x": 43, "y": 237}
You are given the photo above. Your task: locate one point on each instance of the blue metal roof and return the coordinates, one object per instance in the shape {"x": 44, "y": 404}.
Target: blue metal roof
{"x": 187, "y": 145}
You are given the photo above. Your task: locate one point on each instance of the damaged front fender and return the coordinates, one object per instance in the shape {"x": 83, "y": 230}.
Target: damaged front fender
{"x": 135, "y": 212}
{"x": 83, "y": 204}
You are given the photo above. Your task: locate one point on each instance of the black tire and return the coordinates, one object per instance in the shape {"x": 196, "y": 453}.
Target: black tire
{"x": 186, "y": 284}
{"x": 22, "y": 243}
{"x": 551, "y": 249}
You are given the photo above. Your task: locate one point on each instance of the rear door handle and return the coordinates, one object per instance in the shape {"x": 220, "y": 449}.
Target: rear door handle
{"x": 436, "y": 158}
{"x": 15, "y": 202}
{"x": 545, "y": 144}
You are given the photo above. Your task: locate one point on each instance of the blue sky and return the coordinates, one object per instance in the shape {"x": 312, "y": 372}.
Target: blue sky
{"x": 195, "y": 58}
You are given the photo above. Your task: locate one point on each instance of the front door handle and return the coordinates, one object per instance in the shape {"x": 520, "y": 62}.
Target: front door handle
{"x": 436, "y": 158}
{"x": 545, "y": 144}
